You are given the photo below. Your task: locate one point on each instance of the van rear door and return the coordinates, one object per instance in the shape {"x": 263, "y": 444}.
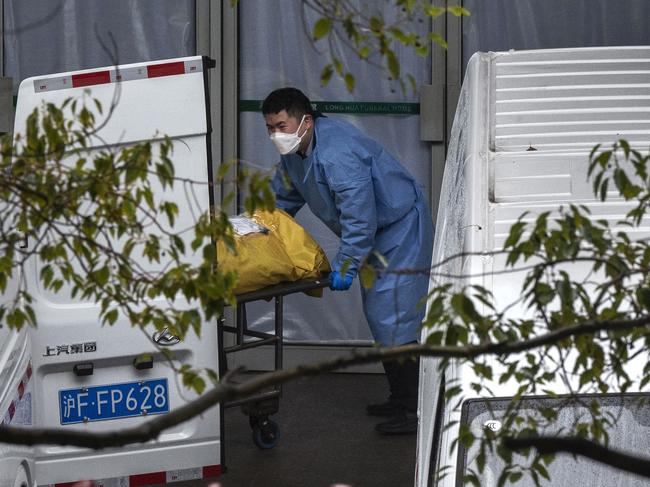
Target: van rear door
{"x": 85, "y": 377}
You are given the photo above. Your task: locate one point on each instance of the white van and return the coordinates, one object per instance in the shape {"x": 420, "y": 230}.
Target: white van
{"x": 525, "y": 125}
{"x": 81, "y": 367}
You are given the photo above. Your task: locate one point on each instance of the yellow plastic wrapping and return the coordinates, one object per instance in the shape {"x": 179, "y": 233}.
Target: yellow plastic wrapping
{"x": 286, "y": 253}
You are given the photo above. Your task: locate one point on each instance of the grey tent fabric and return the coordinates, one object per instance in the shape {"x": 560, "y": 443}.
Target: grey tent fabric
{"x": 500, "y": 25}
{"x": 65, "y": 35}
{"x": 278, "y": 52}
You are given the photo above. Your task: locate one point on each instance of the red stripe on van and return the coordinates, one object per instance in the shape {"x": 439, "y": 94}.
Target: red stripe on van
{"x": 21, "y": 390}
{"x": 167, "y": 69}
{"x": 211, "y": 471}
{"x": 89, "y": 79}
{"x": 147, "y": 479}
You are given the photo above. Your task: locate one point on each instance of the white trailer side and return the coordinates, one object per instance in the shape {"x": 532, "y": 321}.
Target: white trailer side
{"x": 525, "y": 124}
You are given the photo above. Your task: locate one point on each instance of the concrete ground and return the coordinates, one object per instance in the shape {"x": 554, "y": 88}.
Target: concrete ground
{"x": 326, "y": 439}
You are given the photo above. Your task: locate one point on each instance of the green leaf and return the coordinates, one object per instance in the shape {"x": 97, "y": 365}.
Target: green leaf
{"x": 376, "y": 24}
{"x": 515, "y": 477}
{"x": 412, "y": 82}
{"x": 438, "y": 39}
{"x": 98, "y": 105}
{"x": 102, "y": 275}
{"x": 399, "y": 35}
{"x": 466, "y": 437}
{"x": 542, "y": 471}
{"x": 338, "y": 66}
{"x": 465, "y": 308}
{"x": 326, "y": 75}
{"x": 392, "y": 63}
{"x": 433, "y": 11}
{"x": 516, "y": 231}
{"x": 322, "y": 28}
{"x": 349, "y": 82}
{"x": 459, "y": 11}
{"x": 624, "y": 185}
{"x": 626, "y": 147}
{"x": 198, "y": 384}
{"x": 471, "y": 479}
{"x": 483, "y": 370}
{"x": 603, "y": 190}
{"x": 213, "y": 376}
{"x": 367, "y": 276}
{"x": 47, "y": 274}
{"x": 586, "y": 377}
{"x": 643, "y": 296}
{"x": 422, "y": 50}
{"x": 593, "y": 151}
{"x": 111, "y": 317}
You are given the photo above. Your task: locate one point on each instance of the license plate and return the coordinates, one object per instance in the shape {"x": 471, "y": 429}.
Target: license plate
{"x": 113, "y": 401}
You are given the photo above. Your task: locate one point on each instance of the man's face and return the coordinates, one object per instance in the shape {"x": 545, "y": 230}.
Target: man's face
{"x": 283, "y": 122}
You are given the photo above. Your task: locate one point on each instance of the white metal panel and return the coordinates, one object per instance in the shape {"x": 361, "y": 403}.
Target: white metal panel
{"x": 458, "y": 228}
{"x": 533, "y": 176}
{"x": 567, "y": 99}
{"x": 172, "y": 103}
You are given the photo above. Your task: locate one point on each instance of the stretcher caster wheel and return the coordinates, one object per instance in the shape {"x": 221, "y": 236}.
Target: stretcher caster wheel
{"x": 266, "y": 434}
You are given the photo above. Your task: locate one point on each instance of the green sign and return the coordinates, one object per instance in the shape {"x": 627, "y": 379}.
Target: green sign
{"x": 352, "y": 107}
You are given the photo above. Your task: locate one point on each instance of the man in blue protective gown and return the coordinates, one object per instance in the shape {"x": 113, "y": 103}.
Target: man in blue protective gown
{"x": 367, "y": 198}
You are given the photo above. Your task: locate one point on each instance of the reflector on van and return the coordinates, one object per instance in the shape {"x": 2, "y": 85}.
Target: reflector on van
{"x": 153, "y": 478}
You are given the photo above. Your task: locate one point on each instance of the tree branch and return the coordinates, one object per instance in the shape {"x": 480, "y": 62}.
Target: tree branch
{"x": 226, "y": 390}
{"x": 586, "y": 448}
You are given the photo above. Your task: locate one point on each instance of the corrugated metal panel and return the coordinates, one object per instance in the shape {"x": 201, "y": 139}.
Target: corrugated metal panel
{"x": 541, "y": 177}
{"x": 506, "y": 214}
{"x": 571, "y": 99}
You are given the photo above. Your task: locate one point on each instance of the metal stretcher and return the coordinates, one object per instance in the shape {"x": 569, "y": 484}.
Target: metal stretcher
{"x": 263, "y": 404}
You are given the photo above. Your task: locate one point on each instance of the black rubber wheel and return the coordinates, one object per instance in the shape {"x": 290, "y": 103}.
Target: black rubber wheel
{"x": 266, "y": 434}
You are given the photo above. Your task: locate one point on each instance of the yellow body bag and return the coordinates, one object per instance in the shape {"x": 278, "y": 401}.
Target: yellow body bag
{"x": 271, "y": 248}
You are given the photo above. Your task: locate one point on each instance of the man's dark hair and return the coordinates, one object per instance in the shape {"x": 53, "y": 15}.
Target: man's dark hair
{"x": 292, "y": 100}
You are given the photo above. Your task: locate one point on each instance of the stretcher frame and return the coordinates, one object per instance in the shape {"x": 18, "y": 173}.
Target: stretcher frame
{"x": 261, "y": 405}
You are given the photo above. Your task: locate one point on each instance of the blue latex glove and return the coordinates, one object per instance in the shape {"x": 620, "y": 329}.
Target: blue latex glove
{"x": 339, "y": 282}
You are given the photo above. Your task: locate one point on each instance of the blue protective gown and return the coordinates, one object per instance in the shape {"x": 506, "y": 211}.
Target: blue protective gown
{"x": 367, "y": 198}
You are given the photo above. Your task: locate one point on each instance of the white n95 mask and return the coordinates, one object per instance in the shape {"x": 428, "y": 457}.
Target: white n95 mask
{"x": 287, "y": 143}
